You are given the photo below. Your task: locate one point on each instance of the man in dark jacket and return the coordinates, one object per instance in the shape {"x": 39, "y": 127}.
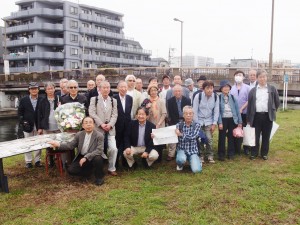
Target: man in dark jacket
{"x": 263, "y": 102}
{"x": 27, "y": 112}
{"x": 124, "y": 104}
{"x": 138, "y": 139}
{"x": 175, "y": 114}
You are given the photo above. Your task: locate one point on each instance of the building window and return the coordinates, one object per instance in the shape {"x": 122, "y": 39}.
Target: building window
{"x": 74, "y": 38}
{"x": 73, "y": 10}
{"x": 87, "y": 52}
{"x": 74, "y": 65}
{"x": 74, "y": 24}
{"x": 74, "y": 51}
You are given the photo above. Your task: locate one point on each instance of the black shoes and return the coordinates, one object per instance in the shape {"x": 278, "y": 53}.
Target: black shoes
{"x": 99, "y": 181}
{"x": 38, "y": 164}
{"x": 28, "y": 165}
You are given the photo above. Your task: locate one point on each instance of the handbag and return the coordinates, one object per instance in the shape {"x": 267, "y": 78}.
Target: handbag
{"x": 238, "y": 132}
{"x": 249, "y": 136}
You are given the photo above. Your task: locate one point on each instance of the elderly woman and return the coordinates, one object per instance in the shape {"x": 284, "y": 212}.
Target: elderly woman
{"x": 229, "y": 118}
{"x": 158, "y": 111}
{"x": 156, "y": 106}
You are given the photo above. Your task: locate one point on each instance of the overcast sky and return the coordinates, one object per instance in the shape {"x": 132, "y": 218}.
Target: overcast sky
{"x": 221, "y": 29}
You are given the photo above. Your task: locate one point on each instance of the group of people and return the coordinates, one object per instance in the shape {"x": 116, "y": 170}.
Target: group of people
{"x": 119, "y": 126}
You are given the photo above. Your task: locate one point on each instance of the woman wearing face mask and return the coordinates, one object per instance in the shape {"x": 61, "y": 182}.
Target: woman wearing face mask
{"x": 240, "y": 91}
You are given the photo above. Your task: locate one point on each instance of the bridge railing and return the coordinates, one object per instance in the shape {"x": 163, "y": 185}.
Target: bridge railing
{"x": 116, "y": 74}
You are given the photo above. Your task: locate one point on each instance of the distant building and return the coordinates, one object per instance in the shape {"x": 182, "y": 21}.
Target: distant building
{"x": 161, "y": 62}
{"x": 192, "y": 61}
{"x": 59, "y": 34}
{"x": 276, "y": 64}
{"x": 243, "y": 63}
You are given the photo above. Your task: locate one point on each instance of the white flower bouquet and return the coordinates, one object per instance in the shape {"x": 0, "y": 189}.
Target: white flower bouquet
{"x": 69, "y": 116}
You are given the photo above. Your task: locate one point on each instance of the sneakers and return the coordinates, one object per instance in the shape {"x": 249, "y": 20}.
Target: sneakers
{"x": 179, "y": 168}
{"x": 211, "y": 160}
{"x": 252, "y": 157}
{"x": 28, "y": 165}
{"x": 265, "y": 157}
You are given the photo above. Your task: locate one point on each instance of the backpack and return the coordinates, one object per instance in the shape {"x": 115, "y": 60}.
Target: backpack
{"x": 200, "y": 96}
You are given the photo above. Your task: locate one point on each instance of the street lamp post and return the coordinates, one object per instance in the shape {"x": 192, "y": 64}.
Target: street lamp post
{"x": 181, "y": 22}
{"x": 271, "y": 43}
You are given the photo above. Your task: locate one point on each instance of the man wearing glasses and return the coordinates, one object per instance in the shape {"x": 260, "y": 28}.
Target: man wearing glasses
{"x": 73, "y": 95}
{"x": 136, "y": 95}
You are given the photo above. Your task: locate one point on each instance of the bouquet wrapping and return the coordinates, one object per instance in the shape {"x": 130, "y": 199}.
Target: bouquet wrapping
{"x": 69, "y": 116}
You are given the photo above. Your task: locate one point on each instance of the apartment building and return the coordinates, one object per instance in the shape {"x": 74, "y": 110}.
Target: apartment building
{"x": 62, "y": 35}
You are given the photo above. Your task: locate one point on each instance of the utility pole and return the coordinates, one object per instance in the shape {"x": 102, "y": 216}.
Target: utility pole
{"x": 271, "y": 43}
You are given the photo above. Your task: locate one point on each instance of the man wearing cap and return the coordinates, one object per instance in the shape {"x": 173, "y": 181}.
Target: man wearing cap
{"x": 166, "y": 86}
{"x": 200, "y": 82}
{"x": 189, "y": 83}
{"x": 27, "y": 112}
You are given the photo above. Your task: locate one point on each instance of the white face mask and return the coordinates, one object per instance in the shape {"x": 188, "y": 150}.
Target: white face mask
{"x": 238, "y": 79}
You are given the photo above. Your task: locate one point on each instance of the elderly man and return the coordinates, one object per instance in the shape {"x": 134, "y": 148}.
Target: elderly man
{"x": 63, "y": 88}
{"x": 187, "y": 147}
{"x": 90, "y": 85}
{"x": 103, "y": 109}
{"x": 189, "y": 83}
{"x": 73, "y": 95}
{"x": 139, "y": 85}
{"x": 206, "y": 113}
{"x": 263, "y": 102}
{"x": 185, "y": 91}
{"x": 124, "y": 104}
{"x": 175, "y": 106}
{"x": 28, "y": 116}
{"x": 252, "y": 78}
{"x": 89, "y": 143}
{"x": 136, "y": 95}
{"x": 138, "y": 140}
{"x": 200, "y": 82}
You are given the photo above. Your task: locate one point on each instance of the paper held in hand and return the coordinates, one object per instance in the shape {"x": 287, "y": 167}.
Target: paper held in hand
{"x": 165, "y": 135}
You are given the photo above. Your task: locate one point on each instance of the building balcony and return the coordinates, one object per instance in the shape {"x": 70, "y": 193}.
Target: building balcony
{"x": 35, "y": 55}
{"x": 36, "y": 41}
{"x": 101, "y": 20}
{"x": 97, "y": 45}
{"x": 100, "y": 58}
{"x": 99, "y": 33}
{"x": 43, "y": 12}
{"x": 35, "y": 69}
{"x": 35, "y": 26}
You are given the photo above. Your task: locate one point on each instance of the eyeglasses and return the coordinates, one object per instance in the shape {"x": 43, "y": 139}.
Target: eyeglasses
{"x": 131, "y": 80}
{"x": 72, "y": 87}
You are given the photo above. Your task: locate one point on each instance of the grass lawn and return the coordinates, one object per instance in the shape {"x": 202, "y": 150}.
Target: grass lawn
{"x": 231, "y": 192}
